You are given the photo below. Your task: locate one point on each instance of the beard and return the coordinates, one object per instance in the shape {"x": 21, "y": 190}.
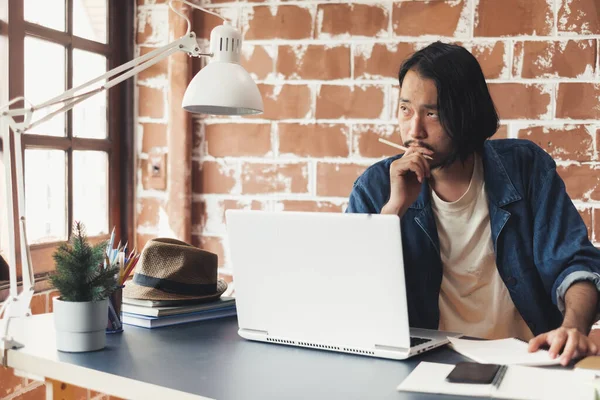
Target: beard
{"x": 440, "y": 160}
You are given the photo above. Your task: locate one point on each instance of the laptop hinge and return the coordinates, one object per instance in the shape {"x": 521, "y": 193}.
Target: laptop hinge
{"x": 391, "y": 348}
{"x": 256, "y": 331}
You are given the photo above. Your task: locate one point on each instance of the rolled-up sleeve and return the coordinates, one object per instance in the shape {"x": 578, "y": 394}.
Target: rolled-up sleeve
{"x": 572, "y": 278}
{"x": 562, "y": 250}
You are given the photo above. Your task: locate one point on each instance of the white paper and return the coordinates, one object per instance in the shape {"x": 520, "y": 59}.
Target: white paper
{"x": 503, "y": 351}
{"x": 430, "y": 377}
{"x": 526, "y": 383}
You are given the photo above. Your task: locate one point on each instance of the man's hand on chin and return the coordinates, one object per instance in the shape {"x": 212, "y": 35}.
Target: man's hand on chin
{"x": 575, "y": 343}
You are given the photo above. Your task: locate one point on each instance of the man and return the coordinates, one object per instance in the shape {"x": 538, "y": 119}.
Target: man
{"x": 493, "y": 246}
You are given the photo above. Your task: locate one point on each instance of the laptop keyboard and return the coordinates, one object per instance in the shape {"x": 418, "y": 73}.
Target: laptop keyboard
{"x": 416, "y": 341}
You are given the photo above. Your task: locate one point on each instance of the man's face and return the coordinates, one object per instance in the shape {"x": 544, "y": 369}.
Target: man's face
{"x": 419, "y": 119}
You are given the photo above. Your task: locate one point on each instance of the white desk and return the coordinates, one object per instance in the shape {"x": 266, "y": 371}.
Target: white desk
{"x": 208, "y": 359}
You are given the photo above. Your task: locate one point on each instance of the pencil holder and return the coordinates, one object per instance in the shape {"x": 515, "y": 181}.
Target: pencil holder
{"x": 115, "y": 303}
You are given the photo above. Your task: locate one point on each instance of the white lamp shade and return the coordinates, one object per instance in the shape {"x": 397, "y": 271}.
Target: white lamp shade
{"x": 223, "y": 88}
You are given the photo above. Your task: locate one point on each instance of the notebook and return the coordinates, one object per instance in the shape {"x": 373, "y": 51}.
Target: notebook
{"x": 519, "y": 382}
{"x": 176, "y": 310}
{"x": 156, "y": 322}
{"x": 509, "y": 351}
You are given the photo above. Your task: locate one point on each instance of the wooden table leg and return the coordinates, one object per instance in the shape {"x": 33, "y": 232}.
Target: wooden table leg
{"x": 56, "y": 390}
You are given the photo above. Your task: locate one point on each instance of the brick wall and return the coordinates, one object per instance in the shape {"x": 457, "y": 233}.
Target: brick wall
{"x": 328, "y": 75}
{"x": 327, "y": 72}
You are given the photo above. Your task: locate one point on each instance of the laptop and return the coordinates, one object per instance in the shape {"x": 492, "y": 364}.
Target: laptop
{"x": 328, "y": 281}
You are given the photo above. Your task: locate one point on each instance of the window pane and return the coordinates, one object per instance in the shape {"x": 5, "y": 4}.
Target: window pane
{"x": 50, "y": 13}
{"x": 89, "y": 116}
{"x": 90, "y": 19}
{"x": 45, "y": 195}
{"x": 44, "y": 80}
{"x": 90, "y": 190}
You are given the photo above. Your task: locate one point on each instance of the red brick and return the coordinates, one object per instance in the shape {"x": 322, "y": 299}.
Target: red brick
{"x": 38, "y": 392}
{"x": 204, "y": 23}
{"x": 274, "y": 178}
{"x": 571, "y": 142}
{"x": 597, "y": 230}
{"x": 366, "y": 140}
{"x": 578, "y": 101}
{"x": 369, "y": 20}
{"x": 212, "y": 244}
{"x": 582, "y": 181}
{"x": 51, "y": 295}
{"x": 289, "y": 22}
{"x": 337, "y": 179}
{"x": 146, "y": 24}
{"x": 236, "y": 140}
{"x": 257, "y": 61}
{"x": 579, "y": 16}
{"x": 9, "y": 383}
{"x": 597, "y": 138}
{"x": 519, "y": 101}
{"x": 314, "y": 140}
{"x": 151, "y": 102}
{"x": 501, "y": 133}
{"x": 416, "y": 18}
{"x": 213, "y": 177}
{"x": 350, "y": 102}
{"x": 491, "y": 58}
{"x": 38, "y": 303}
{"x": 586, "y": 215}
{"x": 309, "y": 206}
{"x": 380, "y": 59}
{"x": 564, "y": 58}
{"x": 228, "y": 204}
{"x": 314, "y": 62}
{"x": 513, "y": 18}
{"x": 141, "y": 240}
{"x": 148, "y": 212}
{"x": 154, "y": 135}
{"x": 285, "y": 101}
{"x": 158, "y": 69}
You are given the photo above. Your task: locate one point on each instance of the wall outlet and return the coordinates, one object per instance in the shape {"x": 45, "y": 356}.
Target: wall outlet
{"x": 157, "y": 171}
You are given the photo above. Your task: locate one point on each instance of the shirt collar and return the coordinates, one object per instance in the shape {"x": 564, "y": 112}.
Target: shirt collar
{"x": 499, "y": 187}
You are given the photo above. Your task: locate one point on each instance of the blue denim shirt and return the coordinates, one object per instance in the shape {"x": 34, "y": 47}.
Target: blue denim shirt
{"x": 540, "y": 240}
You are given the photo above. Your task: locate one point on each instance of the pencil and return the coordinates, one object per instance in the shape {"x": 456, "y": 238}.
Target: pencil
{"x": 400, "y": 147}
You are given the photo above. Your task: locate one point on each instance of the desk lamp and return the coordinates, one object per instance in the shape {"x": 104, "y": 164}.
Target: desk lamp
{"x": 223, "y": 87}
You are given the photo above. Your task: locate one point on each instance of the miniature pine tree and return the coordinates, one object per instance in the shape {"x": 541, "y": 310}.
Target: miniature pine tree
{"x": 80, "y": 274}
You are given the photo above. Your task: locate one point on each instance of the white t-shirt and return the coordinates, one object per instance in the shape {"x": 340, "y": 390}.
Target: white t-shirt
{"x": 473, "y": 298}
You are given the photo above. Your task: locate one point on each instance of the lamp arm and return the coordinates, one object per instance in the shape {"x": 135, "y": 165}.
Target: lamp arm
{"x": 70, "y": 99}
{"x": 17, "y": 304}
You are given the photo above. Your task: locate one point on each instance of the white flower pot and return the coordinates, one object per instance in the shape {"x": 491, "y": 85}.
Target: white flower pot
{"x": 80, "y": 326}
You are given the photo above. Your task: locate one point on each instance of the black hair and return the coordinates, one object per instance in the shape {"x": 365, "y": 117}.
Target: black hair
{"x": 465, "y": 107}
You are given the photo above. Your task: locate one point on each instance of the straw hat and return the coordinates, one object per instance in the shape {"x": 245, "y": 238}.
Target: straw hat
{"x": 169, "y": 269}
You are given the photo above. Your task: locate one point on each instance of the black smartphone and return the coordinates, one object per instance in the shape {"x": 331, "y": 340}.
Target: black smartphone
{"x": 470, "y": 372}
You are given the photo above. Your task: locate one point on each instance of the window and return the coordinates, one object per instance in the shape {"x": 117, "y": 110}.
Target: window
{"x": 75, "y": 164}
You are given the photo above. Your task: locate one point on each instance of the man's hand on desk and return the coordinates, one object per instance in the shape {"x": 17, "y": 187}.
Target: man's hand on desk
{"x": 575, "y": 343}
{"x": 581, "y": 302}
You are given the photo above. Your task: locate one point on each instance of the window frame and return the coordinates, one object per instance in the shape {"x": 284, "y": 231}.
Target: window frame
{"x": 119, "y": 142}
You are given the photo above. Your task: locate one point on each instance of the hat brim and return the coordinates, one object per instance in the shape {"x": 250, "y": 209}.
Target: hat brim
{"x": 135, "y": 291}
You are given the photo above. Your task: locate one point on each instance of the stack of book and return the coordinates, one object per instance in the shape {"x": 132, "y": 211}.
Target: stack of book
{"x": 157, "y": 313}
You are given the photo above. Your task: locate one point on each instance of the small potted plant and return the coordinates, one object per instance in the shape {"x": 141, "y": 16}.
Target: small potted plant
{"x": 84, "y": 282}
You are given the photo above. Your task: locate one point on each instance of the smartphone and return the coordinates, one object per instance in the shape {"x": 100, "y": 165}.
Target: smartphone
{"x": 470, "y": 372}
